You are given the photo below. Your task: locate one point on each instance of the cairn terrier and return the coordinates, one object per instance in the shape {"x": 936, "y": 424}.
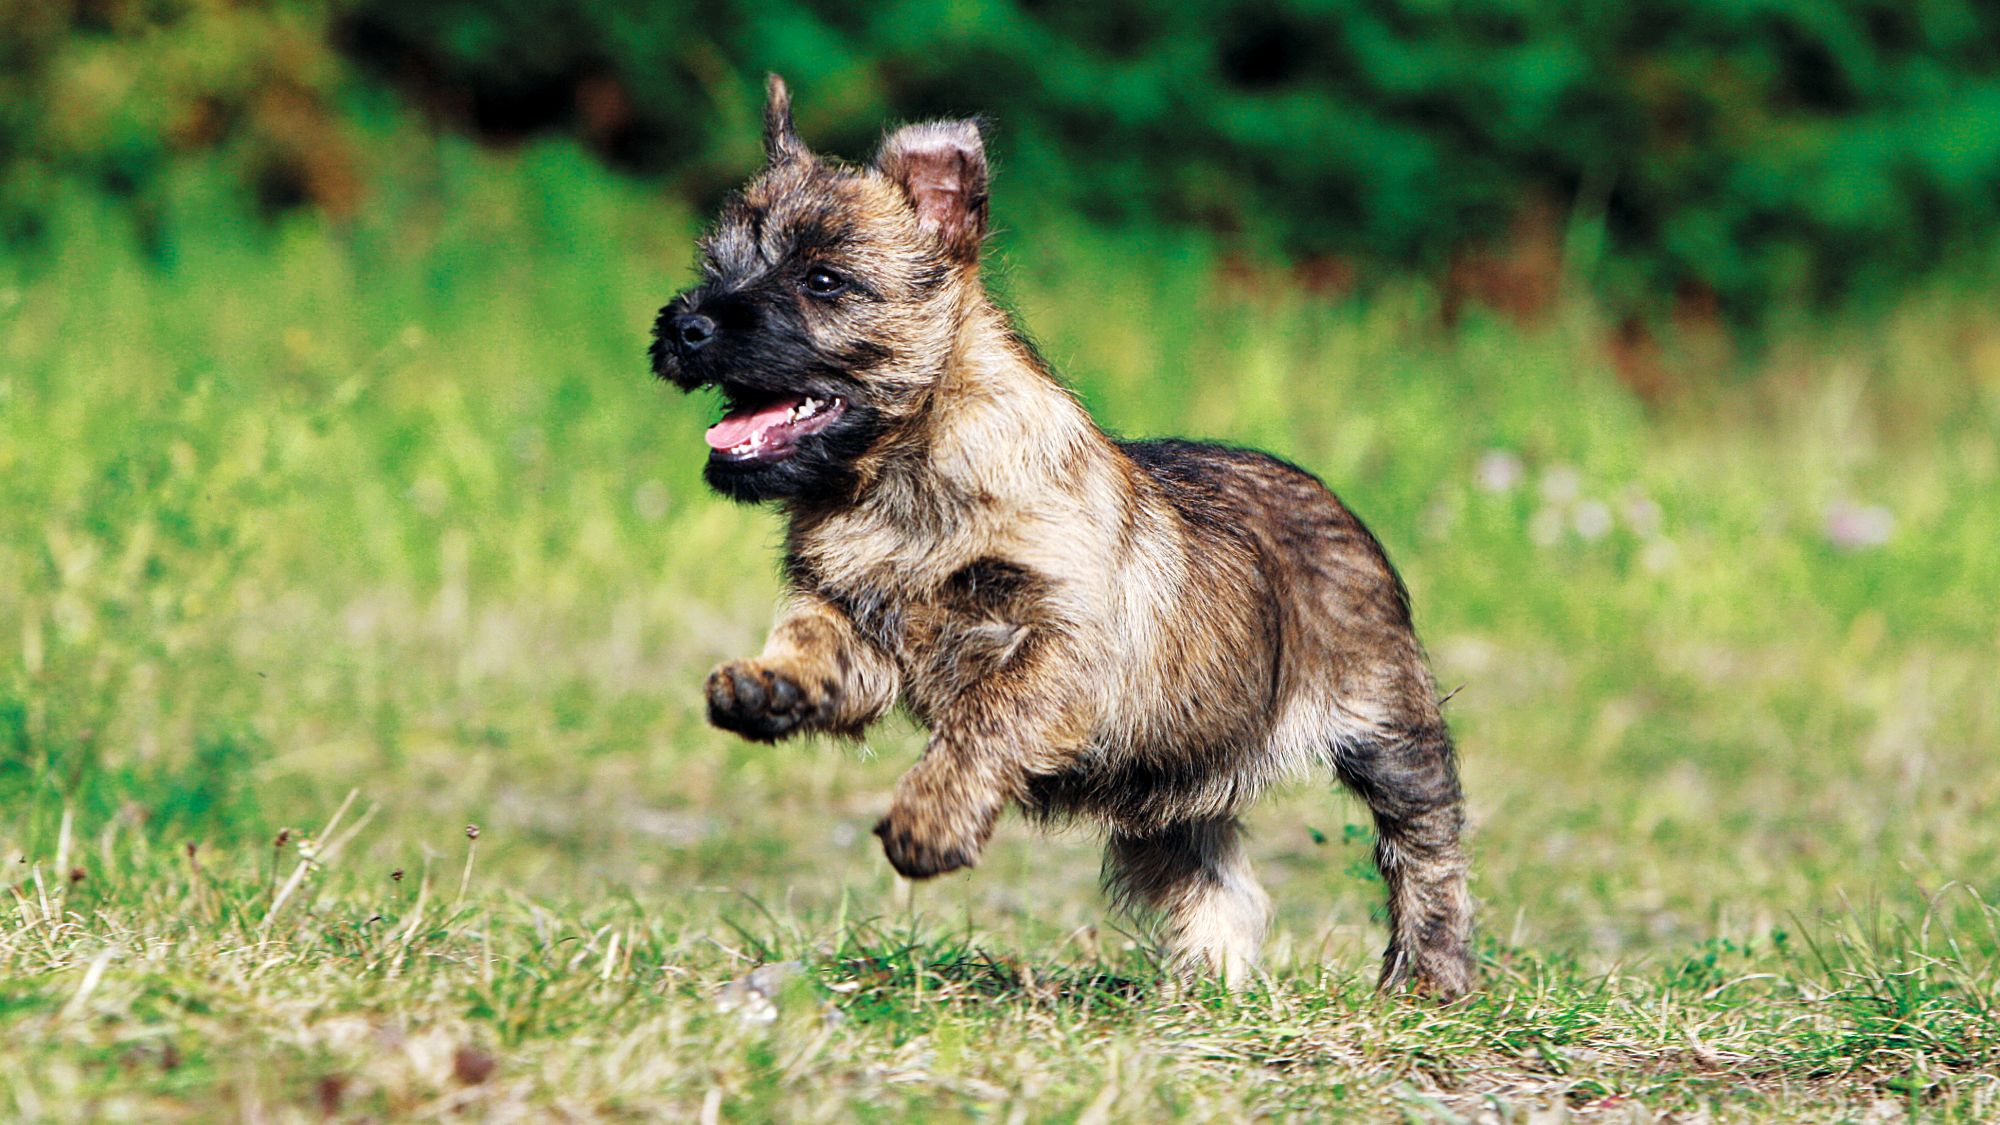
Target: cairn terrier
{"x": 1140, "y": 635}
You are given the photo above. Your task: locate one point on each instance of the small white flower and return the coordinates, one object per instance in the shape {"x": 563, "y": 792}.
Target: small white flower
{"x": 1498, "y": 471}
{"x": 1857, "y": 527}
{"x": 1642, "y": 515}
{"x": 1592, "y": 520}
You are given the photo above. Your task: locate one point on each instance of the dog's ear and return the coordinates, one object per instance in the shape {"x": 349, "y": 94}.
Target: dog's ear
{"x": 781, "y": 139}
{"x": 942, "y": 165}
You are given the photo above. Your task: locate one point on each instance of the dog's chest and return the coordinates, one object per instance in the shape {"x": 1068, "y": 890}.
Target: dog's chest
{"x": 947, "y": 626}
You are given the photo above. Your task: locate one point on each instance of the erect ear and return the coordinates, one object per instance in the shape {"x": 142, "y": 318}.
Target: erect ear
{"x": 942, "y": 165}
{"x": 781, "y": 140}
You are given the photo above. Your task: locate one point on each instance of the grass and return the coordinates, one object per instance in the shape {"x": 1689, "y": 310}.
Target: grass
{"x": 387, "y": 520}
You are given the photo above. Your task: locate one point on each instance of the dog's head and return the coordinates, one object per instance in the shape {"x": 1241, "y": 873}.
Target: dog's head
{"x": 830, "y": 300}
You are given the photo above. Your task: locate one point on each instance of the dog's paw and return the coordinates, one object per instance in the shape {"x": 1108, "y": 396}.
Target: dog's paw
{"x": 922, "y": 847}
{"x": 760, "y": 702}
{"x": 1444, "y": 973}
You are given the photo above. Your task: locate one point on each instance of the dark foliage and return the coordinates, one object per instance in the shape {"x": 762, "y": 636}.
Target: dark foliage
{"x": 1722, "y": 155}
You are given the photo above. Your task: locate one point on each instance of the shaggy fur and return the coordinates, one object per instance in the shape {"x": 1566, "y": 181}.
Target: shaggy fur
{"x": 1139, "y": 635}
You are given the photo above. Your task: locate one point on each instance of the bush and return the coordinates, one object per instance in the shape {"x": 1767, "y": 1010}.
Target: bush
{"x": 108, "y": 94}
{"x": 1793, "y": 150}
{"x": 1724, "y": 155}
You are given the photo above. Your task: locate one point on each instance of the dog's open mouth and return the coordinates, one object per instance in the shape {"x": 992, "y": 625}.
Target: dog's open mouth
{"x": 770, "y": 429}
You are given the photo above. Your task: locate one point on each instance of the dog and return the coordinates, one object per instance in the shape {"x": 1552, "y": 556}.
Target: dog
{"x": 1138, "y": 635}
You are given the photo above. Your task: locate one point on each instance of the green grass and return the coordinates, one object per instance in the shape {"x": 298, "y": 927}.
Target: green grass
{"x": 394, "y": 510}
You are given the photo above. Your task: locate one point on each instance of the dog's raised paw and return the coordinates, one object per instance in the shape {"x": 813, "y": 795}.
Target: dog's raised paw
{"x": 916, "y": 855}
{"x": 758, "y": 702}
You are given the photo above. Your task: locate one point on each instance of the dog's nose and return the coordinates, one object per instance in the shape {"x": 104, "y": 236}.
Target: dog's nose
{"x": 692, "y": 331}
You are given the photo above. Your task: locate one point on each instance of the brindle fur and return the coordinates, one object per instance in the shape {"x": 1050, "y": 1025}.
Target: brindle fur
{"x": 1140, "y": 635}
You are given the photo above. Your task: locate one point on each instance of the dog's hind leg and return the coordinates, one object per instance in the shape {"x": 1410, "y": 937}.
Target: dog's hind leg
{"x": 1410, "y": 781}
{"x": 1196, "y": 878}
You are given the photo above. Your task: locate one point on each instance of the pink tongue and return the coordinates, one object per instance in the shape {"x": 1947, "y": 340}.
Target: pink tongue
{"x": 737, "y": 428}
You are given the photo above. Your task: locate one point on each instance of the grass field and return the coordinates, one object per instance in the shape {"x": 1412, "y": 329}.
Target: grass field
{"x": 318, "y": 545}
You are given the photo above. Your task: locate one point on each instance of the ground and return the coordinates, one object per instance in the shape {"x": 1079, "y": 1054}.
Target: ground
{"x": 326, "y": 543}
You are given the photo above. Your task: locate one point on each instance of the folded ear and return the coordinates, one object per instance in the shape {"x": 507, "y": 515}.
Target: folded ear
{"x": 781, "y": 139}
{"x": 942, "y": 166}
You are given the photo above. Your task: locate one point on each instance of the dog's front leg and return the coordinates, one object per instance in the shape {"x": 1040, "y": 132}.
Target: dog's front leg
{"x": 816, "y": 673}
{"x": 984, "y": 746}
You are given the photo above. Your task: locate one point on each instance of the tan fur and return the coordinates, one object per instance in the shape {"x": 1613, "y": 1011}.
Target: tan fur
{"x": 1142, "y": 637}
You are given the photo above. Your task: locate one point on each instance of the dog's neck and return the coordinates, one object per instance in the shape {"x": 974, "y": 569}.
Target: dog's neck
{"x": 998, "y": 441}
{"x": 1002, "y": 429}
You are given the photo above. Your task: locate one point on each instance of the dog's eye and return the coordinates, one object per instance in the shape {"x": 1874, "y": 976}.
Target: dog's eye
{"x": 823, "y": 282}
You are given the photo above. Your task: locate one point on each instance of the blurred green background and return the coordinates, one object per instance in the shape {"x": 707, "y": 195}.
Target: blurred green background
{"x": 1728, "y": 156}
{"x": 1656, "y": 341}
